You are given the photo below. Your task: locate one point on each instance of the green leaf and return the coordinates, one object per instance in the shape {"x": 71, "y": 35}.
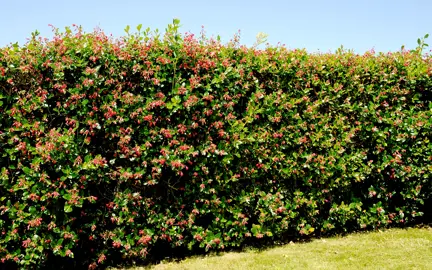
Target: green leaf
{"x": 176, "y": 100}
{"x": 88, "y": 158}
{"x": 127, "y": 28}
{"x": 139, "y": 27}
{"x": 27, "y": 170}
{"x": 255, "y": 228}
{"x": 67, "y": 208}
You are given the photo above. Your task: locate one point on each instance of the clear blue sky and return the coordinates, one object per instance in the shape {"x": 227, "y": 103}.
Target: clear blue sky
{"x": 315, "y": 25}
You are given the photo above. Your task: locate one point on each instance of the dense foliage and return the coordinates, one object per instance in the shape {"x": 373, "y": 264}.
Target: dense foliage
{"x": 113, "y": 147}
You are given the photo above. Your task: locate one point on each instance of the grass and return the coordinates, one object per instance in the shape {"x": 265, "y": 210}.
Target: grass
{"x": 390, "y": 249}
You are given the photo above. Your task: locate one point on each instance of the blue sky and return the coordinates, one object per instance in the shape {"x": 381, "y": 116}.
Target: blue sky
{"x": 361, "y": 25}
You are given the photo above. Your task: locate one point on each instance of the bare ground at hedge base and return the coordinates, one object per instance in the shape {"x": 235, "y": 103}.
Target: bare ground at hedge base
{"x": 390, "y": 249}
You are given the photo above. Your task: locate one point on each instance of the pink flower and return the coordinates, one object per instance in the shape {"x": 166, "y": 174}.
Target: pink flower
{"x": 102, "y": 258}
{"x": 116, "y": 244}
{"x": 26, "y": 243}
{"x": 68, "y": 252}
{"x": 35, "y": 222}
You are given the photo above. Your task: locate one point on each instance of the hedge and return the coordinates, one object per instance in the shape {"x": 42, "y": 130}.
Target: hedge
{"x": 124, "y": 148}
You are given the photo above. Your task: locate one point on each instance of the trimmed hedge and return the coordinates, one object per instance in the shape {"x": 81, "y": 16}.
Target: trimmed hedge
{"x": 117, "y": 147}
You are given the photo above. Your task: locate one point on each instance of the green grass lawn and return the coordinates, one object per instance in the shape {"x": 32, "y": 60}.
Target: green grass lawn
{"x": 390, "y": 249}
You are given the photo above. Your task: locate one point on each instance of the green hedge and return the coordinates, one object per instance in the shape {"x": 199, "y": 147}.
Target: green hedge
{"x": 114, "y": 148}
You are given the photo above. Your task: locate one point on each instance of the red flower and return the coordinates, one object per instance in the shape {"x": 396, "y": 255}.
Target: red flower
{"x": 198, "y": 237}
{"x": 144, "y": 240}
{"x": 184, "y": 147}
{"x": 177, "y": 164}
{"x": 33, "y": 197}
{"x": 148, "y": 118}
{"x": 280, "y": 210}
